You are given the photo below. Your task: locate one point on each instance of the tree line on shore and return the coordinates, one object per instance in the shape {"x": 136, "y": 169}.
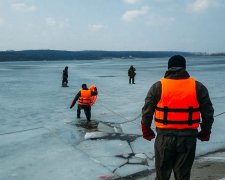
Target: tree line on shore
{"x": 41, "y": 55}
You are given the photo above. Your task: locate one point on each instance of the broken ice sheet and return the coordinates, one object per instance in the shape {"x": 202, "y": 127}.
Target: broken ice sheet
{"x": 105, "y": 147}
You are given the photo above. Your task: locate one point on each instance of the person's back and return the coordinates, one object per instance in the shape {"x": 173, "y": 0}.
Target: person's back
{"x": 176, "y": 101}
{"x": 85, "y": 96}
{"x": 131, "y": 71}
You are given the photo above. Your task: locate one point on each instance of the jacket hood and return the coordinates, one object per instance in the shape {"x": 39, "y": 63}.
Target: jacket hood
{"x": 176, "y": 73}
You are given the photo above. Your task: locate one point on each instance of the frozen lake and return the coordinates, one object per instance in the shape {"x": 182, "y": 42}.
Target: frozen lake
{"x": 39, "y": 141}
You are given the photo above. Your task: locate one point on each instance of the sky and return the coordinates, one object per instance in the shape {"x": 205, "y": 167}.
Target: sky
{"x": 118, "y": 25}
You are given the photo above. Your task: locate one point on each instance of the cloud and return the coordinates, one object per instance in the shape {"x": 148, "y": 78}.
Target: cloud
{"x": 96, "y": 27}
{"x": 131, "y": 1}
{"x": 22, "y": 7}
{"x": 129, "y": 16}
{"x": 50, "y": 21}
{"x": 160, "y": 21}
{"x": 201, "y": 5}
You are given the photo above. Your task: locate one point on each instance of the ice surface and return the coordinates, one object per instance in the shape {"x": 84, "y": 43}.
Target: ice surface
{"x": 142, "y": 146}
{"x": 111, "y": 163}
{"x": 38, "y": 139}
{"x": 105, "y": 128}
{"x": 91, "y": 135}
{"x": 130, "y": 169}
{"x": 100, "y": 148}
{"x": 42, "y": 155}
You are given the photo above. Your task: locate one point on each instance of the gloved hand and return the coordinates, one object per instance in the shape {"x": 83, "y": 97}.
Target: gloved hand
{"x": 204, "y": 135}
{"x": 147, "y": 132}
{"x": 71, "y": 106}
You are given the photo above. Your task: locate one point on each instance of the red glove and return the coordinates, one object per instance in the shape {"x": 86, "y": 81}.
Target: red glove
{"x": 204, "y": 135}
{"x": 147, "y": 132}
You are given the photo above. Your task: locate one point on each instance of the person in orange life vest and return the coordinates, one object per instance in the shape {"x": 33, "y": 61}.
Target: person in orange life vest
{"x": 176, "y": 101}
{"x": 84, "y": 101}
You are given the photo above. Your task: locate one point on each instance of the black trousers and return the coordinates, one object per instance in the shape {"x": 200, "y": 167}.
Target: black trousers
{"x": 65, "y": 81}
{"x": 87, "y": 111}
{"x": 131, "y": 79}
{"x": 175, "y": 153}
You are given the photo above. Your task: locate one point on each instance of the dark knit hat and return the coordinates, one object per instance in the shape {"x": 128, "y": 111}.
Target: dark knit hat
{"x": 84, "y": 86}
{"x": 177, "y": 61}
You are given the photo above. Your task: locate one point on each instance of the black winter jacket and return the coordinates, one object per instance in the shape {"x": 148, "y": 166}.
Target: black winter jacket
{"x": 154, "y": 95}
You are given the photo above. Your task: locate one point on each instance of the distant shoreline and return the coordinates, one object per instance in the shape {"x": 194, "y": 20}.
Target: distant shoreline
{"x": 56, "y": 55}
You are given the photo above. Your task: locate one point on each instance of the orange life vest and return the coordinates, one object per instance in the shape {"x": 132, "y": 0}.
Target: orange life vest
{"x": 85, "y": 97}
{"x": 178, "y": 107}
{"x": 93, "y": 98}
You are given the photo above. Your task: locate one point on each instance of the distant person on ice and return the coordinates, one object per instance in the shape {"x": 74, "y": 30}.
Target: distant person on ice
{"x": 65, "y": 77}
{"x": 177, "y": 102}
{"x": 85, "y": 101}
{"x": 131, "y": 74}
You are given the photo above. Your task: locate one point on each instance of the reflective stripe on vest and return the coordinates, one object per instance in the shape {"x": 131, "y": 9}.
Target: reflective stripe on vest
{"x": 85, "y": 97}
{"x": 178, "y": 107}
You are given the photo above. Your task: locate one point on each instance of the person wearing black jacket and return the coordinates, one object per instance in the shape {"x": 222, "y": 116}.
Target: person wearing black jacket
{"x": 131, "y": 74}
{"x": 65, "y": 77}
{"x": 176, "y": 102}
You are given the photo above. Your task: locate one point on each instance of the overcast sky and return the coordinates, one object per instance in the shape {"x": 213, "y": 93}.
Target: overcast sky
{"x": 183, "y": 25}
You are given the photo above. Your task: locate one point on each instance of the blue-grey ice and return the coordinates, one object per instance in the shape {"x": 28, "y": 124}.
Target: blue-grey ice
{"x": 38, "y": 135}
